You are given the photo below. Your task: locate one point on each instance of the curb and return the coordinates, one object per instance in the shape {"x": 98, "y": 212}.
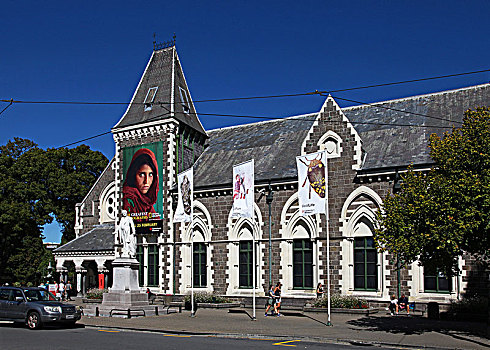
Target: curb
{"x": 278, "y": 337}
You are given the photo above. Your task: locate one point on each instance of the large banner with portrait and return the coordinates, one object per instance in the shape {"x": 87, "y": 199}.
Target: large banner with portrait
{"x": 142, "y": 183}
{"x": 185, "y": 181}
{"x": 243, "y": 190}
{"x": 312, "y": 182}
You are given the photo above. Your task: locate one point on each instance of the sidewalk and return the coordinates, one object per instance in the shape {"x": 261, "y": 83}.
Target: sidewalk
{"x": 375, "y": 329}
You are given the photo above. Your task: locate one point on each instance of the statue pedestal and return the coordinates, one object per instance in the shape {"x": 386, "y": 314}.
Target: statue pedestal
{"x": 125, "y": 275}
{"x": 125, "y": 292}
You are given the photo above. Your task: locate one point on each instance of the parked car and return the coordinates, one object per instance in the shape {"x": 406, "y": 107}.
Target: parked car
{"x": 35, "y": 306}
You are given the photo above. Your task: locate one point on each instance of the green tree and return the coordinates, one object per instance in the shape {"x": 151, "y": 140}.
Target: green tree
{"x": 440, "y": 214}
{"x": 69, "y": 174}
{"x": 35, "y": 186}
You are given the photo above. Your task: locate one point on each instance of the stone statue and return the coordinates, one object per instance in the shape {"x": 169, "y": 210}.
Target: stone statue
{"x": 126, "y": 235}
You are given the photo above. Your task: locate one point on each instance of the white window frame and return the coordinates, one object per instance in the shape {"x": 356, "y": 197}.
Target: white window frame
{"x": 148, "y": 104}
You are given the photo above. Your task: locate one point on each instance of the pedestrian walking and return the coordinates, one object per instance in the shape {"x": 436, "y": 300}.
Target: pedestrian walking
{"x": 270, "y": 301}
{"x": 68, "y": 289}
{"x": 319, "y": 290}
{"x": 277, "y": 297}
{"x": 61, "y": 289}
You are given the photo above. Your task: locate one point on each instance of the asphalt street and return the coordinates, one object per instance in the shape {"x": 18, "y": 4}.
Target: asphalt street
{"x": 14, "y": 337}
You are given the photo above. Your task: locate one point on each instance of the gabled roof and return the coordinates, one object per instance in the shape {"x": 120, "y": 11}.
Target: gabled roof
{"x": 274, "y": 145}
{"x": 100, "y": 238}
{"x": 163, "y": 71}
{"x": 388, "y": 144}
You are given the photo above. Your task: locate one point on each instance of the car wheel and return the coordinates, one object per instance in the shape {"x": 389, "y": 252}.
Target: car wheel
{"x": 34, "y": 320}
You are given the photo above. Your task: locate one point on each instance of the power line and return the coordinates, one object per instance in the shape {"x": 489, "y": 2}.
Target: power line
{"x": 108, "y": 132}
{"x": 380, "y": 105}
{"x": 88, "y": 138}
{"x": 304, "y": 119}
{"x": 10, "y": 104}
{"x": 257, "y": 97}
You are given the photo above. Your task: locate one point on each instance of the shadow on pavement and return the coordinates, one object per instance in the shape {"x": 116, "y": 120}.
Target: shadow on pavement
{"x": 417, "y": 326}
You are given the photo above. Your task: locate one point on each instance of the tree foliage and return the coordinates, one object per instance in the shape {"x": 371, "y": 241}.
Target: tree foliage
{"x": 440, "y": 214}
{"x": 36, "y": 185}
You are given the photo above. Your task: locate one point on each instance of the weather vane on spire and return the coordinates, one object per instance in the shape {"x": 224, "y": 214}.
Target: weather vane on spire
{"x": 162, "y": 45}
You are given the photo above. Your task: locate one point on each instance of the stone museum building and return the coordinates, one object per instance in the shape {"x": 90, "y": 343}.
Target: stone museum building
{"x": 367, "y": 146}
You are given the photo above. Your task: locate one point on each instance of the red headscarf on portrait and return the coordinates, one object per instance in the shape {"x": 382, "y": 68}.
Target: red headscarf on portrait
{"x": 142, "y": 202}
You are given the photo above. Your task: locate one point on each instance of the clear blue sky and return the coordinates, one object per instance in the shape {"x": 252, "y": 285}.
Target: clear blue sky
{"x": 97, "y": 50}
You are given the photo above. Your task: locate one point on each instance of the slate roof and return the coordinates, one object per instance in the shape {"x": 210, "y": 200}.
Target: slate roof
{"x": 100, "y": 238}
{"x": 389, "y": 146}
{"x": 275, "y": 144}
{"x": 163, "y": 68}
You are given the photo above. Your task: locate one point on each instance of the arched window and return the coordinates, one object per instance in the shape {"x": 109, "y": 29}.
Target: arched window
{"x": 300, "y": 263}
{"x": 362, "y": 265}
{"x": 302, "y": 259}
{"x": 331, "y": 143}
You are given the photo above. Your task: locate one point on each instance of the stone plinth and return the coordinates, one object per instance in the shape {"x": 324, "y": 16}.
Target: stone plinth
{"x": 125, "y": 275}
{"x": 125, "y": 292}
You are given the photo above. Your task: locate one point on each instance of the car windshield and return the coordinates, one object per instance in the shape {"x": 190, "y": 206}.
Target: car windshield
{"x": 38, "y": 295}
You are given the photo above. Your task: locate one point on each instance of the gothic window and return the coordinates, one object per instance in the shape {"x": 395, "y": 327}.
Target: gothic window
{"x": 365, "y": 264}
{"x": 245, "y": 264}
{"x": 200, "y": 265}
{"x": 150, "y": 97}
{"x": 302, "y": 263}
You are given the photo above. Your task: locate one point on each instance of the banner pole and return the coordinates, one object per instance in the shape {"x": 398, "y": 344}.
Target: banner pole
{"x": 327, "y": 215}
{"x": 254, "y": 272}
{"x": 193, "y": 313}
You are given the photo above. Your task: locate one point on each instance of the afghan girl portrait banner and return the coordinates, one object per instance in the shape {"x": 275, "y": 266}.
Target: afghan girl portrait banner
{"x": 312, "y": 182}
{"x": 185, "y": 181}
{"x": 142, "y": 200}
{"x": 243, "y": 190}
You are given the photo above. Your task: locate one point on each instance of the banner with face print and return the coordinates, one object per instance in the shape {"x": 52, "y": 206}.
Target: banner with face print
{"x": 243, "y": 190}
{"x": 312, "y": 182}
{"x": 142, "y": 181}
{"x": 185, "y": 181}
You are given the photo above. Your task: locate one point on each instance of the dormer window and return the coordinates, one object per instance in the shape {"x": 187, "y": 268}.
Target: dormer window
{"x": 184, "y": 99}
{"x": 150, "y": 97}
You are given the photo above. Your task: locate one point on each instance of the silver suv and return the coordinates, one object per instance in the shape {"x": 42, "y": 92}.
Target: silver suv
{"x": 35, "y": 306}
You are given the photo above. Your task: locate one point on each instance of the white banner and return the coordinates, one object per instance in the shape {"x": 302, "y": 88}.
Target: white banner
{"x": 312, "y": 182}
{"x": 243, "y": 190}
{"x": 185, "y": 180}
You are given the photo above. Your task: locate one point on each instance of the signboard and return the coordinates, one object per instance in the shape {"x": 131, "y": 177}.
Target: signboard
{"x": 243, "y": 190}
{"x": 185, "y": 181}
{"x": 142, "y": 199}
{"x": 312, "y": 182}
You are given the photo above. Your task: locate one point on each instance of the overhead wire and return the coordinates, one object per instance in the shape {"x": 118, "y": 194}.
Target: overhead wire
{"x": 10, "y": 104}
{"x": 108, "y": 132}
{"x": 316, "y": 92}
{"x": 265, "y": 96}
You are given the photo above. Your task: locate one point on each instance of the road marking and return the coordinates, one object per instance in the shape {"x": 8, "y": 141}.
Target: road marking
{"x": 284, "y": 343}
{"x": 103, "y": 330}
{"x": 177, "y": 336}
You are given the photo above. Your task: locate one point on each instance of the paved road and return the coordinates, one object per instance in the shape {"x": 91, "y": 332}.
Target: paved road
{"x": 14, "y": 337}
